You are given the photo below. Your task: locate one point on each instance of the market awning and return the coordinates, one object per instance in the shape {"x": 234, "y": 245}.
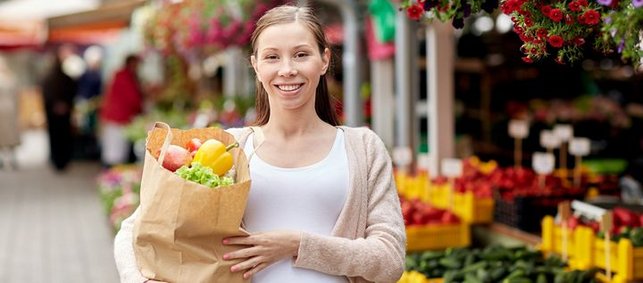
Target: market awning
{"x": 19, "y": 34}
{"x": 94, "y": 26}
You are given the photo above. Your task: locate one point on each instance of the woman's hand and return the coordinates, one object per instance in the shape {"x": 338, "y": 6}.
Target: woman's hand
{"x": 263, "y": 250}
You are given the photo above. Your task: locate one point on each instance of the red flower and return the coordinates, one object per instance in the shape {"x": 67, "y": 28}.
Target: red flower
{"x": 590, "y": 17}
{"x": 415, "y": 12}
{"x": 556, "y": 41}
{"x": 556, "y": 15}
{"x": 574, "y": 6}
{"x": 527, "y": 59}
{"x": 528, "y": 22}
{"x": 583, "y": 3}
{"x": 510, "y": 6}
{"x": 569, "y": 19}
{"x": 545, "y": 10}
{"x": 541, "y": 32}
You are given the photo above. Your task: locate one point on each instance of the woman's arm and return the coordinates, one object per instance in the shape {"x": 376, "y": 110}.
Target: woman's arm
{"x": 379, "y": 256}
{"x": 124, "y": 252}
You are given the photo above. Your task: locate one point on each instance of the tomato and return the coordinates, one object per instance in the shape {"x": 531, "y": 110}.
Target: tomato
{"x": 193, "y": 145}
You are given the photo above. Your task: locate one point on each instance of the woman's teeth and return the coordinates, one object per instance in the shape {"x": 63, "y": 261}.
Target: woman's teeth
{"x": 289, "y": 87}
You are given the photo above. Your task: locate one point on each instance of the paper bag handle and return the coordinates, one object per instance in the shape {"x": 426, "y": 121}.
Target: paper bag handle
{"x": 166, "y": 142}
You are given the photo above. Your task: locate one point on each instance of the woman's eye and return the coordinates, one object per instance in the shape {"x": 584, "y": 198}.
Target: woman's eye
{"x": 301, "y": 55}
{"x": 271, "y": 57}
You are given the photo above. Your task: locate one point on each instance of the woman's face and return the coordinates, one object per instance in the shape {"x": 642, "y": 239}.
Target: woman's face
{"x": 289, "y": 65}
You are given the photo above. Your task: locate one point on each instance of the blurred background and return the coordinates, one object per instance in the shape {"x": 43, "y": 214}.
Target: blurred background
{"x": 479, "y": 84}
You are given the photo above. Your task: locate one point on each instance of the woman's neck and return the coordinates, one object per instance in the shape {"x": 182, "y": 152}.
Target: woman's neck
{"x": 294, "y": 125}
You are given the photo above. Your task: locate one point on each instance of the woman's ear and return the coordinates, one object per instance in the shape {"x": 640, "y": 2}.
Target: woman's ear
{"x": 253, "y": 61}
{"x": 326, "y": 60}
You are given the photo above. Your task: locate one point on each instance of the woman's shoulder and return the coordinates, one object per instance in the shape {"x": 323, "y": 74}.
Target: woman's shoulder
{"x": 361, "y": 135}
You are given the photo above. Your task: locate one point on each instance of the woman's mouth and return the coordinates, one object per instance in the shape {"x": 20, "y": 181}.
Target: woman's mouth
{"x": 289, "y": 87}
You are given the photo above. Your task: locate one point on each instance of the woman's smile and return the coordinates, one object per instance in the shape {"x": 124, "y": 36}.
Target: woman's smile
{"x": 289, "y": 88}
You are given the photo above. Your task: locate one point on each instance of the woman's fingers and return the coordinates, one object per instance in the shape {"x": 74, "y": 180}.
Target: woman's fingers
{"x": 254, "y": 270}
{"x": 243, "y": 253}
{"x": 247, "y": 264}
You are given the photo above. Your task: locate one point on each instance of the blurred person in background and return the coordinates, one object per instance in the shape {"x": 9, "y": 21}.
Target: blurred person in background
{"x": 90, "y": 88}
{"x": 122, "y": 102}
{"x": 58, "y": 90}
{"x": 10, "y": 137}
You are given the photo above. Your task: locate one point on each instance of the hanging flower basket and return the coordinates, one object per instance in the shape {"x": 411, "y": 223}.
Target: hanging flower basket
{"x": 455, "y": 11}
{"x": 623, "y": 28}
{"x": 194, "y": 28}
{"x": 559, "y": 28}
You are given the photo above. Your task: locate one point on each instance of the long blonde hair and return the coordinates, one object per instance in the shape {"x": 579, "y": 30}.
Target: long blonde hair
{"x": 285, "y": 14}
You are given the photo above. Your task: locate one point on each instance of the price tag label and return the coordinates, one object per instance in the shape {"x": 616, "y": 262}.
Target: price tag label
{"x": 579, "y": 146}
{"x": 518, "y": 129}
{"x": 451, "y": 167}
{"x": 423, "y": 161}
{"x": 564, "y": 132}
{"x": 549, "y": 140}
{"x": 543, "y": 163}
{"x": 402, "y": 156}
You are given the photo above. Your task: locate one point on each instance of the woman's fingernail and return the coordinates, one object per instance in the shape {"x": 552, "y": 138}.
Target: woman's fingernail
{"x": 226, "y": 256}
{"x": 233, "y": 269}
{"x": 225, "y": 241}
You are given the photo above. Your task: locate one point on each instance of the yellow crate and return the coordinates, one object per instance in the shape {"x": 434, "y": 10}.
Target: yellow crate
{"x": 469, "y": 208}
{"x": 552, "y": 237}
{"x": 435, "y": 237}
{"x": 472, "y": 210}
{"x": 626, "y": 261}
{"x": 587, "y": 251}
{"x": 412, "y": 187}
{"x": 416, "y": 277}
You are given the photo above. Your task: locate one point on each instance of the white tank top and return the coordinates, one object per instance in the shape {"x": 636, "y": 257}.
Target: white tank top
{"x": 307, "y": 199}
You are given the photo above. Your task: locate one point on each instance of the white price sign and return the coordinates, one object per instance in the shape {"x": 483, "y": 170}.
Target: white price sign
{"x": 423, "y": 161}
{"x": 543, "y": 163}
{"x": 579, "y": 146}
{"x": 549, "y": 140}
{"x": 402, "y": 156}
{"x": 564, "y": 132}
{"x": 451, "y": 167}
{"x": 518, "y": 129}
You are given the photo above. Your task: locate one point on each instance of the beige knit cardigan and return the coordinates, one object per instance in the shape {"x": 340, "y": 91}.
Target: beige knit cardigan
{"x": 368, "y": 241}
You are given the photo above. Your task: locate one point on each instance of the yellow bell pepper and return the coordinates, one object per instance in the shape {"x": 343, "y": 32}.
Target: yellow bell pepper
{"x": 214, "y": 154}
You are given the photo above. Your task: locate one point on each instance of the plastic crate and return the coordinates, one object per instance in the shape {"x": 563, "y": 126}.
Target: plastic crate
{"x": 417, "y": 277}
{"x": 412, "y": 187}
{"x": 469, "y": 208}
{"x": 436, "y": 237}
{"x": 626, "y": 261}
{"x": 552, "y": 238}
{"x": 527, "y": 212}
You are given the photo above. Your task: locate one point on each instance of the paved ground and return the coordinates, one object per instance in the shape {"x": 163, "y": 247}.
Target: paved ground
{"x": 52, "y": 227}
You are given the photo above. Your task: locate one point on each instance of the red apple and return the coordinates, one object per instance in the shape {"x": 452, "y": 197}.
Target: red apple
{"x": 175, "y": 157}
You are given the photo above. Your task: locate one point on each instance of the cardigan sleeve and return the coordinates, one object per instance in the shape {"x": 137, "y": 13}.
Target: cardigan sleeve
{"x": 124, "y": 252}
{"x": 379, "y": 256}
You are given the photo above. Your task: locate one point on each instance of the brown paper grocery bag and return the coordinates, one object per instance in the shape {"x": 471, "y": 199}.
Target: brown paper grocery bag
{"x": 177, "y": 237}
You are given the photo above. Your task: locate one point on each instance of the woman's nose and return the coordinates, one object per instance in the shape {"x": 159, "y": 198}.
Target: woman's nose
{"x": 287, "y": 68}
